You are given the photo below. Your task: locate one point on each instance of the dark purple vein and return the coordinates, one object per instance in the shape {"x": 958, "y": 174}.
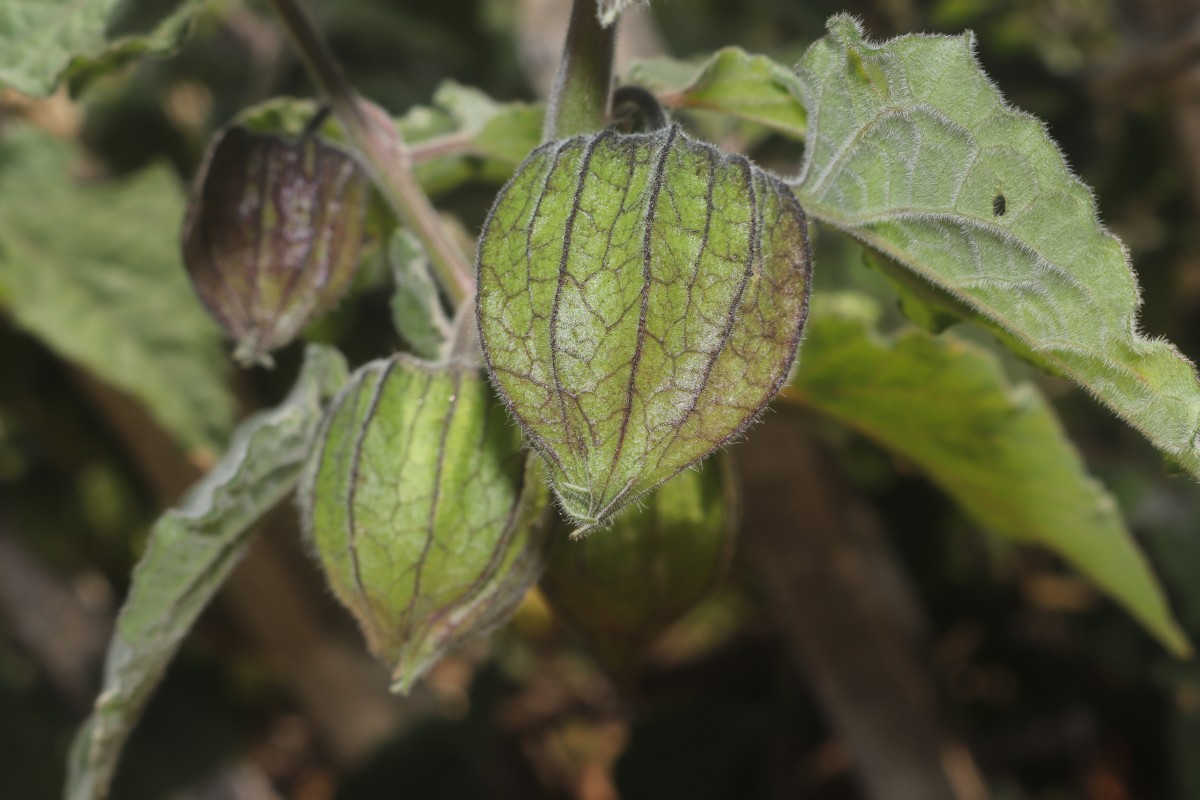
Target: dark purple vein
{"x": 651, "y": 210}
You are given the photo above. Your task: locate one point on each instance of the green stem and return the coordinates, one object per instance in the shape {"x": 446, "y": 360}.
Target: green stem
{"x": 580, "y": 98}
{"x": 373, "y": 135}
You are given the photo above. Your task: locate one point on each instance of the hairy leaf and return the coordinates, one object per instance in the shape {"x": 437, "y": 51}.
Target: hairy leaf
{"x": 424, "y": 509}
{"x": 998, "y": 450}
{"x": 733, "y": 82}
{"x": 94, "y": 272}
{"x": 640, "y": 300}
{"x": 43, "y": 41}
{"x": 912, "y": 150}
{"x": 191, "y": 551}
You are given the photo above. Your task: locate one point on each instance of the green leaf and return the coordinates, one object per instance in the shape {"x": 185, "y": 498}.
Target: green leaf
{"x": 465, "y": 135}
{"x": 44, "y": 41}
{"x": 191, "y": 551}
{"x": 640, "y": 300}
{"x": 416, "y": 305}
{"x": 733, "y": 82}
{"x": 94, "y": 272}
{"x": 424, "y": 509}
{"x": 285, "y": 116}
{"x": 997, "y": 449}
{"x": 913, "y": 151}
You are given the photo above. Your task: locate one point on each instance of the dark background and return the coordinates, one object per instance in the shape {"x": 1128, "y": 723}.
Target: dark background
{"x": 1054, "y": 690}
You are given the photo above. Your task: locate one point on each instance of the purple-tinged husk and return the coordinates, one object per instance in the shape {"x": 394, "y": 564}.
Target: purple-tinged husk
{"x": 273, "y": 234}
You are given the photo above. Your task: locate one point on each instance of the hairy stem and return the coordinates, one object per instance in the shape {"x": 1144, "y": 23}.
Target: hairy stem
{"x": 579, "y": 101}
{"x": 387, "y": 158}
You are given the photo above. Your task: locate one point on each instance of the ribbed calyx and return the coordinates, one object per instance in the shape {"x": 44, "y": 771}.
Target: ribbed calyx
{"x": 273, "y": 234}
{"x": 424, "y": 510}
{"x": 641, "y": 298}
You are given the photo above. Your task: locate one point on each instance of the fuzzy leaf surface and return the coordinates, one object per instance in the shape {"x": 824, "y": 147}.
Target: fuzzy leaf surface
{"x": 191, "y": 550}
{"x": 734, "y": 82}
{"x": 914, "y": 152}
{"x": 43, "y": 41}
{"x": 999, "y": 450}
{"x": 94, "y": 272}
{"x": 641, "y": 299}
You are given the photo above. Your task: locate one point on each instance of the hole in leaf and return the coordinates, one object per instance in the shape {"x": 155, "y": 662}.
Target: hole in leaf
{"x": 999, "y": 205}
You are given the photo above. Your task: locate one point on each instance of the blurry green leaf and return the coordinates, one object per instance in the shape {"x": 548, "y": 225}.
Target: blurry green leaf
{"x": 913, "y": 151}
{"x": 641, "y": 299}
{"x": 477, "y": 138}
{"x": 94, "y": 271}
{"x": 43, "y": 41}
{"x": 463, "y": 136}
{"x": 998, "y": 450}
{"x": 416, "y": 306}
{"x": 733, "y": 82}
{"x": 285, "y": 116}
{"x": 191, "y": 550}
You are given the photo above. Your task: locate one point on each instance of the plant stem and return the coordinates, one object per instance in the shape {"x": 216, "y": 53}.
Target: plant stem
{"x": 445, "y": 146}
{"x": 845, "y": 611}
{"x": 370, "y": 131}
{"x": 580, "y": 98}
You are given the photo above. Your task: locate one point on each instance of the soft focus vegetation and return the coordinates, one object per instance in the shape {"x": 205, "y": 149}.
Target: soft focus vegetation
{"x": 1032, "y": 557}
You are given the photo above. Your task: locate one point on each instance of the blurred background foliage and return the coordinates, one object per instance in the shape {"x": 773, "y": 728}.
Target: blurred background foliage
{"x": 1054, "y": 690}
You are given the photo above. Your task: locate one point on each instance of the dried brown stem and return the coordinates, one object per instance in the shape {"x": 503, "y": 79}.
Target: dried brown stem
{"x": 845, "y": 611}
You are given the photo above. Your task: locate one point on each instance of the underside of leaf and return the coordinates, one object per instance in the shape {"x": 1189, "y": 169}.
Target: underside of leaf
{"x": 191, "y": 550}
{"x": 913, "y": 151}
